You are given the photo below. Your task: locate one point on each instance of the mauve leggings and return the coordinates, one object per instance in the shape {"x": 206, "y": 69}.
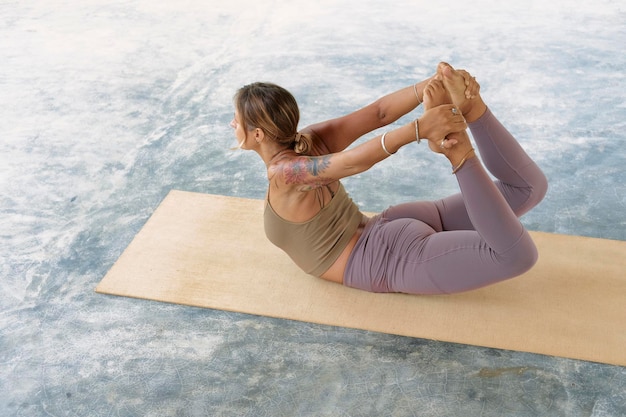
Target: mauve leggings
{"x": 464, "y": 241}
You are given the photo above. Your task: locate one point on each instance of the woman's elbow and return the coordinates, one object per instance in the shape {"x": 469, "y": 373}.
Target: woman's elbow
{"x": 383, "y": 117}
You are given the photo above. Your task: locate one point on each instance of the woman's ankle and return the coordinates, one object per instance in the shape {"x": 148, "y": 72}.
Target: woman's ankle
{"x": 476, "y": 111}
{"x": 459, "y": 154}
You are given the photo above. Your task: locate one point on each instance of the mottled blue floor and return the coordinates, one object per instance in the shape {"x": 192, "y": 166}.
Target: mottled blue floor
{"x": 107, "y": 105}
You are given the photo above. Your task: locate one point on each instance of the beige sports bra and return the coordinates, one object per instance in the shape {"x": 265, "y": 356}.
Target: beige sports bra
{"x": 314, "y": 245}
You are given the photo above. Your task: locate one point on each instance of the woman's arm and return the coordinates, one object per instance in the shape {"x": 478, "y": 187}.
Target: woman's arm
{"x": 308, "y": 172}
{"x": 337, "y": 134}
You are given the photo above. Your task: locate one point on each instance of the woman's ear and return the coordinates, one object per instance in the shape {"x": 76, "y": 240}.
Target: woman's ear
{"x": 259, "y": 135}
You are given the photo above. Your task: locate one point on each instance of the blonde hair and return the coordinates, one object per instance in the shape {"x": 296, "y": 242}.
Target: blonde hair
{"x": 274, "y": 110}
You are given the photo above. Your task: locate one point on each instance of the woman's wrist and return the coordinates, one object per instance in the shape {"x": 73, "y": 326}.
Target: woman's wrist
{"x": 397, "y": 138}
{"x": 418, "y": 89}
{"x": 419, "y": 99}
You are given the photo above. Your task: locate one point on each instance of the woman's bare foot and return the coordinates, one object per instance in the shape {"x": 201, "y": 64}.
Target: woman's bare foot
{"x": 457, "y": 82}
{"x": 456, "y": 145}
{"x": 435, "y": 94}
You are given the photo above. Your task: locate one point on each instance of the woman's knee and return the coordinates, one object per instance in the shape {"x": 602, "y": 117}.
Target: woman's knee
{"x": 522, "y": 257}
{"x": 523, "y": 199}
{"x": 539, "y": 187}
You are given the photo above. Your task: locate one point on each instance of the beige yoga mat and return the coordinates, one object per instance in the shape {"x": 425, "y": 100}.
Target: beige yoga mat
{"x": 210, "y": 251}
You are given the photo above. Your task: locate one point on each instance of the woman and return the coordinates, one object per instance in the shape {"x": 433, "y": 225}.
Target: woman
{"x": 459, "y": 243}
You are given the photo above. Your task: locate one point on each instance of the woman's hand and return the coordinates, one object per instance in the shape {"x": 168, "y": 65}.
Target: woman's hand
{"x": 440, "y": 121}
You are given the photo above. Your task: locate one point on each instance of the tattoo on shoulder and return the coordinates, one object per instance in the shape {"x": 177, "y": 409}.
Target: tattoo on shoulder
{"x": 319, "y": 164}
{"x": 307, "y": 170}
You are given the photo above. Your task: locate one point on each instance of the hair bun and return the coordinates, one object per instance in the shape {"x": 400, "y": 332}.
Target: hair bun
{"x": 302, "y": 143}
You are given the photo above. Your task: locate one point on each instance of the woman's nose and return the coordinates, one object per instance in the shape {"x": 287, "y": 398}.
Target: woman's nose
{"x": 233, "y": 123}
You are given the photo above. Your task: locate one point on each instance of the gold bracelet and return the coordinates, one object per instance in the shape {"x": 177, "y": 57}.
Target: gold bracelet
{"x": 418, "y": 97}
{"x": 417, "y": 132}
{"x": 462, "y": 161}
